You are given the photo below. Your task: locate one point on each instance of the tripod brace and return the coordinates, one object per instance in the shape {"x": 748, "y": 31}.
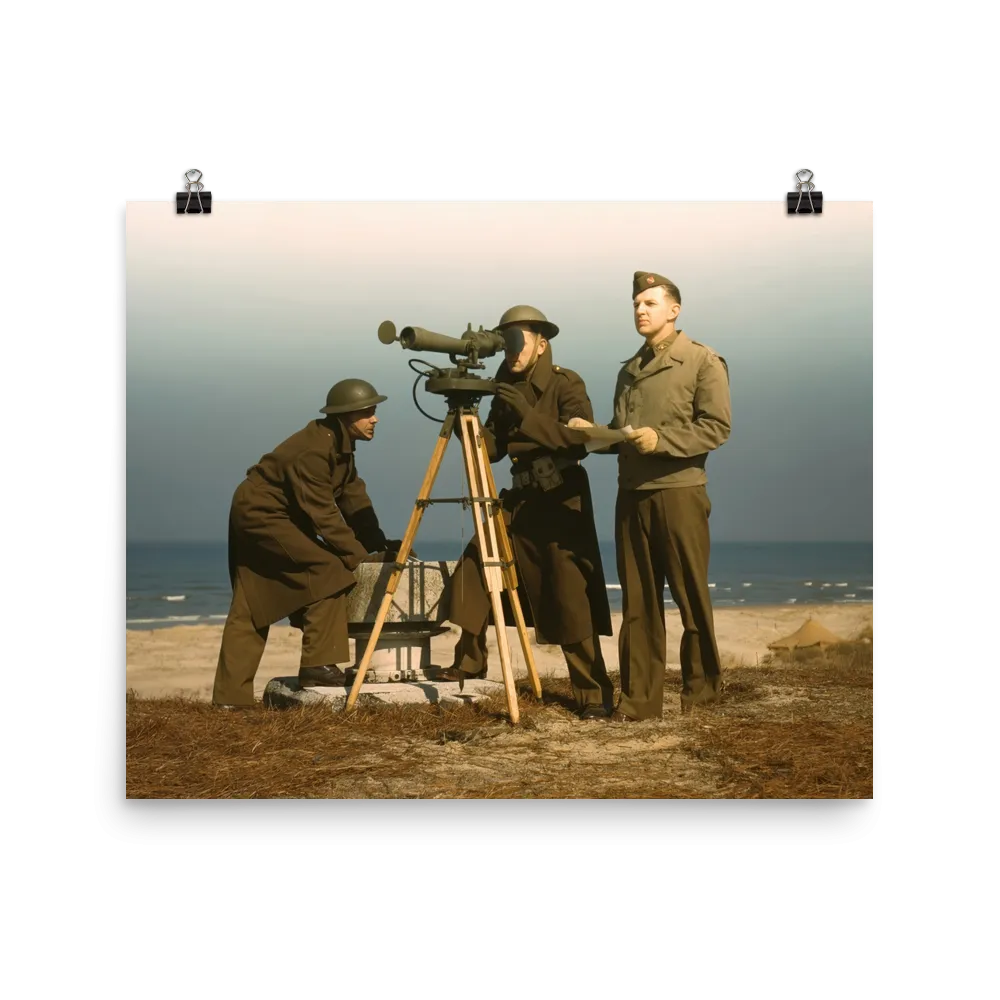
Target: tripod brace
{"x": 497, "y": 554}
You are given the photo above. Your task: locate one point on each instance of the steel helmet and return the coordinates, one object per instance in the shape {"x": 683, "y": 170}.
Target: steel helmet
{"x": 528, "y": 314}
{"x": 351, "y": 394}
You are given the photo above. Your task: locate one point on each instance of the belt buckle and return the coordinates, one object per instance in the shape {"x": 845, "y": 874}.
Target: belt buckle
{"x": 546, "y": 473}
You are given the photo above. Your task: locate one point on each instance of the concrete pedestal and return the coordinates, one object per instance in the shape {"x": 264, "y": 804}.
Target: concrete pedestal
{"x": 403, "y": 651}
{"x": 417, "y": 597}
{"x": 399, "y": 668}
{"x": 284, "y": 692}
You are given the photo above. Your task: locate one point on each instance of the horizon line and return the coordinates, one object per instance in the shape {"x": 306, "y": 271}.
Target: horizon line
{"x": 602, "y": 541}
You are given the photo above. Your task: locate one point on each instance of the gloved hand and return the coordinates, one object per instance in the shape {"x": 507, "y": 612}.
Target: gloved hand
{"x": 393, "y": 545}
{"x": 509, "y": 394}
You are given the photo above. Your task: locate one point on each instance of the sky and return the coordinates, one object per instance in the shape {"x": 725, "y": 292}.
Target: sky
{"x": 238, "y": 322}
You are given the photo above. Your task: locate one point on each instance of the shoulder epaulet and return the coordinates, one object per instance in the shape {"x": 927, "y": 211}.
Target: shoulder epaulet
{"x": 713, "y": 355}
{"x": 566, "y": 372}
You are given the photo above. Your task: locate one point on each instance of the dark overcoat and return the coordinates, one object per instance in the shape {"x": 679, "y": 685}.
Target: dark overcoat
{"x": 560, "y": 577}
{"x": 300, "y": 523}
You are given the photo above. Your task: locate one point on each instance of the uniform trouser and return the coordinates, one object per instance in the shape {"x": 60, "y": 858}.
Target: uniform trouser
{"x": 324, "y": 631}
{"x": 587, "y": 671}
{"x": 663, "y": 535}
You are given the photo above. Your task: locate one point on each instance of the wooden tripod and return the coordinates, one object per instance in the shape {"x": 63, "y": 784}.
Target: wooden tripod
{"x": 495, "y": 549}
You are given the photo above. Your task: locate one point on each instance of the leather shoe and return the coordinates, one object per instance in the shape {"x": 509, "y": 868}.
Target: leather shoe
{"x": 589, "y": 712}
{"x": 709, "y": 694}
{"x": 455, "y": 674}
{"x": 328, "y": 676}
{"x": 619, "y": 716}
{"x": 232, "y": 708}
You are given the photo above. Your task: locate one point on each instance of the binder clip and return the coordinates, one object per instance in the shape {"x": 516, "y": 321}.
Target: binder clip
{"x": 196, "y": 201}
{"x": 812, "y": 203}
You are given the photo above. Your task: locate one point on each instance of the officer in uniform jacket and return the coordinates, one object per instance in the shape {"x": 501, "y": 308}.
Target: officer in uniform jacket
{"x": 674, "y": 393}
{"x": 550, "y": 516}
{"x": 299, "y": 524}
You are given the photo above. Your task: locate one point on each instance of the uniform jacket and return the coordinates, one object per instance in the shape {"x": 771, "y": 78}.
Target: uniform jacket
{"x": 683, "y": 394}
{"x": 552, "y": 532}
{"x": 301, "y": 522}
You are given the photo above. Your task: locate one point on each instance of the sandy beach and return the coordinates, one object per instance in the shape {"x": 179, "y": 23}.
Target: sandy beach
{"x": 181, "y": 659}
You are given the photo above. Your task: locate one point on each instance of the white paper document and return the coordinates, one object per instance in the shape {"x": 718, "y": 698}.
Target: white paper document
{"x": 599, "y": 438}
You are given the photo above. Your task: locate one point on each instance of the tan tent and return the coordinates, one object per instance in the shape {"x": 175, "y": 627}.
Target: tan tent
{"x": 810, "y": 634}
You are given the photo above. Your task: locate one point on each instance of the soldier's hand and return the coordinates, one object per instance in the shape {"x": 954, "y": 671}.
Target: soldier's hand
{"x": 645, "y": 440}
{"x": 577, "y": 422}
{"x": 513, "y": 399}
{"x": 393, "y": 545}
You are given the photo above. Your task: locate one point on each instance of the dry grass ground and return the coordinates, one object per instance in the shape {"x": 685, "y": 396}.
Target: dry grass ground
{"x": 798, "y": 726}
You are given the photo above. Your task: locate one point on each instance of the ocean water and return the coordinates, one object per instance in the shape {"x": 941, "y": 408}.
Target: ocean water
{"x": 184, "y": 583}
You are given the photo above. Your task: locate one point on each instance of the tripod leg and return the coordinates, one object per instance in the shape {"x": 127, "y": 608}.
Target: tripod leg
{"x": 489, "y": 548}
{"x": 510, "y": 579}
{"x": 404, "y": 551}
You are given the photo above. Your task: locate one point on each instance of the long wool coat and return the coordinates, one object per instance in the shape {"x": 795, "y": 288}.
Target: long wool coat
{"x": 300, "y": 523}
{"x": 560, "y": 577}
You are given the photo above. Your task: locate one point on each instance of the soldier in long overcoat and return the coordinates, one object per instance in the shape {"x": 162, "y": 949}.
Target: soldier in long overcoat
{"x": 299, "y": 524}
{"x": 550, "y": 516}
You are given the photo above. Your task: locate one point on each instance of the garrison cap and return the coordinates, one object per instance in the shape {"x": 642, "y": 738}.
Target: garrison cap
{"x": 642, "y": 280}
